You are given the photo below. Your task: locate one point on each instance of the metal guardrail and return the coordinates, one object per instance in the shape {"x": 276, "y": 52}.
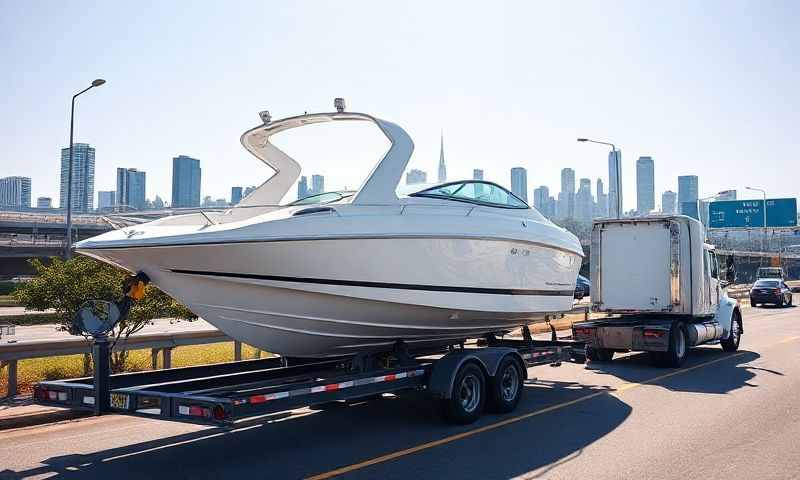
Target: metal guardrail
{"x": 11, "y": 353}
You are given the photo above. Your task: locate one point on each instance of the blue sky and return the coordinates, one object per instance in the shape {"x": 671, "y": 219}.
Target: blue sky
{"x": 706, "y": 88}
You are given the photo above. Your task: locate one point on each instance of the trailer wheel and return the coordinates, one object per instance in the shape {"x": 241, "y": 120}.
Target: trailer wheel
{"x": 678, "y": 346}
{"x": 599, "y": 354}
{"x": 468, "y": 396}
{"x": 731, "y": 344}
{"x": 505, "y": 389}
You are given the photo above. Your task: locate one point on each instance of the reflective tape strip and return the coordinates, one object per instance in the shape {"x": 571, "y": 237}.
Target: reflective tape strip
{"x": 331, "y": 387}
{"x": 88, "y": 400}
{"x": 183, "y": 410}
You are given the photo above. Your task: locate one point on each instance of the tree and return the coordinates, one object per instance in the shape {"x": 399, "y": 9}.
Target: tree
{"x": 65, "y": 286}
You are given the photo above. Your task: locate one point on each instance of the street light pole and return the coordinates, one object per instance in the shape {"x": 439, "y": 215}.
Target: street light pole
{"x": 764, "y": 211}
{"x": 68, "y": 243}
{"x": 617, "y": 167}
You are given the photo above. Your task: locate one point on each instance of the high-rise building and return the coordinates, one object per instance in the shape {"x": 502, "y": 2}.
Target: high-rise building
{"x": 15, "y": 192}
{"x": 687, "y": 192}
{"x": 477, "y": 174}
{"x": 82, "y": 177}
{"x": 415, "y": 176}
{"x": 614, "y": 179}
{"x": 317, "y": 184}
{"x": 584, "y": 202}
{"x": 158, "y": 203}
{"x": 186, "y": 176}
{"x": 302, "y": 187}
{"x": 566, "y": 197}
{"x": 668, "y": 200}
{"x": 601, "y": 205}
{"x": 236, "y": 195}
{"x": 519, "y": 182}
{"x": 442, "y": 168}
{"x": 44, "y": 202}
{"x": 131, "y": 188}
{"x": 645, "y": 185}
{"x": 541, "y": 195}
{"x": 106, "y": 199}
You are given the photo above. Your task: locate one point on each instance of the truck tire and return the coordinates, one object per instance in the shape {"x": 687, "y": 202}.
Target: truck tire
{"x": 781, "y": 303}
{"x": 505, "y": 389}
{"x": 678, "y": 347}
{"x": 731, "y": 344}
{"x": 599, "y": 354}
{"x": 468, "y": 396}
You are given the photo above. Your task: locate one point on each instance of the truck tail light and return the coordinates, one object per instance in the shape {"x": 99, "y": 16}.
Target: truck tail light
{"x": 654, "y": 333}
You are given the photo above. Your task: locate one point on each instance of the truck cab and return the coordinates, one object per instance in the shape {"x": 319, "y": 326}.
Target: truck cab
{"x": 662, "y": 288}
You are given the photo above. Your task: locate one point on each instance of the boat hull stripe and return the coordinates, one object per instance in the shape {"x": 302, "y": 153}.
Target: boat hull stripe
{"x": 399, "y": 286}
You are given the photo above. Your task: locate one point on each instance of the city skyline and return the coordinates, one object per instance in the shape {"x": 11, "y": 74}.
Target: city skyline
{"x": 569, "y": 92}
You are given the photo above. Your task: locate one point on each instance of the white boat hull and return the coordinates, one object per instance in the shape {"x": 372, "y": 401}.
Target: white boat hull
{"x": 337, "y": 296}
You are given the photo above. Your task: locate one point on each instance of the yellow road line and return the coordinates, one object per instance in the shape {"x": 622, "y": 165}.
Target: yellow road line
{"x": 508, "y": 421}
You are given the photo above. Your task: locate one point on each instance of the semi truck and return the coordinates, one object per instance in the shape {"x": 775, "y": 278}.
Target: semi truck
{"x": 661, "y": 286}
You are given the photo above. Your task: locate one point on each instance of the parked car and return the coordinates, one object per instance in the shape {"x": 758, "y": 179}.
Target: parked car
{"x": 774, "y": 291}
{"x": 583, "y": 287}
{"x": 770, "y": 272}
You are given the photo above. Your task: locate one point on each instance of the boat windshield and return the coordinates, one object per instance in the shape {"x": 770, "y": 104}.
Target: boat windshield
{"x": 474, "y": 191}
{"x": 322, "y": 198}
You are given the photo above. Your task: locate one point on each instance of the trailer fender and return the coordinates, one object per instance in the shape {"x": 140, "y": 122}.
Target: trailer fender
{"x": 724, "y": 315}
{"x": 440, "y": 382}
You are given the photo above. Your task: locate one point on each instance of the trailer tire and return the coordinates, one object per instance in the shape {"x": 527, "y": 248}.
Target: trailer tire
{"x": 467, "y": 397}
{"x": 678, "y": 348}
{"x": 731, "y": 344}
{"x": 505, "y": 389}
{"x": 599, "y": 354}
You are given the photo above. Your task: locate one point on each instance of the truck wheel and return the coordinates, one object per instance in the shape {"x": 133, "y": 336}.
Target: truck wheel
{"x": 678, "y": 345}
{"x": 781, "y": 302}
{"x": 505, "y": 389}
{"x": 731, "y": 344}
{"x": 599, "y": 354}
{"x": 467, "y": 398}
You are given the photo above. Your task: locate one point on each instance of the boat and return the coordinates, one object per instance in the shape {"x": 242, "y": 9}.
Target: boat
{"x": 346, "y": 272}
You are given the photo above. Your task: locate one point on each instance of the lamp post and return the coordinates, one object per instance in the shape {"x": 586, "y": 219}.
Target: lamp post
{"x": 764, "y": 211}
{"x": 68, "y": 246}
{"x": 617, "y": 167}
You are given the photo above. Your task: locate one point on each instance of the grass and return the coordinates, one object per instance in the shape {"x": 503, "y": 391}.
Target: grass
{"x": 35, "y": 370}
{"x": 8, "y": 301}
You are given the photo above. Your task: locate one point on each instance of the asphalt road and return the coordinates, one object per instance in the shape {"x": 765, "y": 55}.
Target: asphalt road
{"x": 721, "y": 416}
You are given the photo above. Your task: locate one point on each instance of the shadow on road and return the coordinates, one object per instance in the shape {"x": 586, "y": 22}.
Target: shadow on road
{"x": 311, "y": 442}
{"x": 727, "y": 373}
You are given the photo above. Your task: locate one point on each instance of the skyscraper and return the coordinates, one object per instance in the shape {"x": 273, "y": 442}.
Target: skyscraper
{"x": 540, "y": 196}
{"x": 614, "y": 174}
{"x": 477, "y": 174}
{"x": 106, "y": 199}
{"x": 186, "y": 176}
{"x": 44, "y": 202}
{"x": 131, "y": 188}
{"x": 15, "y": 192}
{"x": 566, "y": 197}
{"x": 601, "y": 205}
{"x": 442, "y": 168}
{"x": 584, "y": 202}
{"x": 687, "y": 193}
{"x": 415, "y": 176}
{"x": 302, "y": 187}
{"x": 519, "y": 182}
{"x": 668, "y": 199}
{"x": 236, "y": 195}
{"x": 82, "y": 177}
{"x": 317, "y": 184}
{"x": 645, "y": 185}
